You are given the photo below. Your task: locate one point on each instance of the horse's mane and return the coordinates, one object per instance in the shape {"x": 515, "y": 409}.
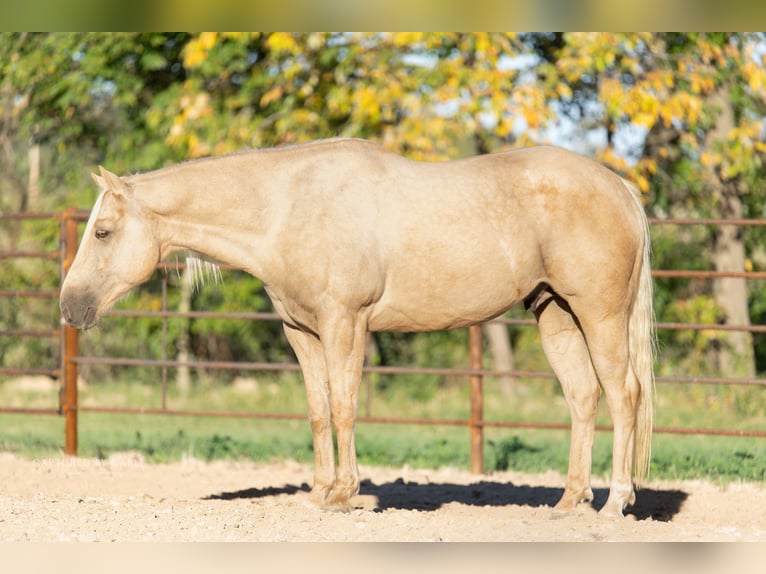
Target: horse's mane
{"x": 201, "y": 270}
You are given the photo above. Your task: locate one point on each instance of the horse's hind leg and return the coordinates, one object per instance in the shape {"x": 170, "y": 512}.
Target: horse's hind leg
{"x": 567, "y": 353}
{"x": 607, "y": 338}
{"x": 310, "y": 355}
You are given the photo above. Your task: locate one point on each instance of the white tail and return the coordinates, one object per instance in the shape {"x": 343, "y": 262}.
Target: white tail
{"x": 642, "y": 346}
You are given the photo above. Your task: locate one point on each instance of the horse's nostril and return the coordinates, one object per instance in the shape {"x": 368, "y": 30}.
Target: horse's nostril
{"x": 89, "y": 318}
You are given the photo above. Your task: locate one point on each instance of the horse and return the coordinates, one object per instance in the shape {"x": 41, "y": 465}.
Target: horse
{"x": 350, "y": 238}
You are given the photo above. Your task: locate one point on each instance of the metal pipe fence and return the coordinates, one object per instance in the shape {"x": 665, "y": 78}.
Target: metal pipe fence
{"x": 70, "y": 358}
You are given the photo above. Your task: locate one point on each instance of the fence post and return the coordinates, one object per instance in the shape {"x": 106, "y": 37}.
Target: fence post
{"x": 69, "y": 338}
{"x": 475, "y": 344}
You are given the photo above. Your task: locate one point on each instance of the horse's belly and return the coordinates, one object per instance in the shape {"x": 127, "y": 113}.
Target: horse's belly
{"x": 398, "y": 320}
{"x": 424, "y": 309}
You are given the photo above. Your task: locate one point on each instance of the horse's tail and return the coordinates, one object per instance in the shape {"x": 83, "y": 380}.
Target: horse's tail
{"x": 642, "y": 342}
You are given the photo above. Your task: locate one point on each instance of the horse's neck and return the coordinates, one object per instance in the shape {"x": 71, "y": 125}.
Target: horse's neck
{"x": 214, "y": 209}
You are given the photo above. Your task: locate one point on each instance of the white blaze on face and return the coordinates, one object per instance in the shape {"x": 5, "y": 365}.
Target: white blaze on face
{"x": 94, "y": 215}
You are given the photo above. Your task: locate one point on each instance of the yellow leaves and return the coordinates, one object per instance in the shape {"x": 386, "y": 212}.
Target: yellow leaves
{"x": 365, "y": 104}
{"x": 653, "y": 98}
{"x": 588, "y": 52}
{"x": 207, "y": 40}
{"x": 710, "y": 159}
{"x": 756, "y": 80}
{"x": 193, "y": 108}
{"x": 504, "y": 127}
{"x": 660, "y": 80}
{"x": 532, "y": 105}
{"x": 279, "y": 42}
{"x": 755, "y": 76}
{"x": 640, "y": 173}
{"x": 646, "y": 168}
{"x": 702, "y": 83}
{"x": 271, "y": 96}
{"x": 573, "y": 67}
{"x": 196, "y": 50}
{"x": 681, "y": 107}
{"x": 738, "y": 153}
{"x": 638, "y": 103}
{"x": 402, "y": 39}
{"x": 711, "y": 53}
{"x": 484, "y": 45}
{"x": 337, "y": 102}
{"x": 612, "y": 95}
{"x": 746, "y": 132}
{"x": 645, "y": 119}
{"x": 643, "y": 183}
{"x": 563, "y": 91}
{"x": 616, "y": 162}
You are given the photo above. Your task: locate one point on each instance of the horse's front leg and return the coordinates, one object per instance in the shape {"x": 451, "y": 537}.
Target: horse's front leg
{"x": 310, "y": 355}
{"x": 343, "y": 340}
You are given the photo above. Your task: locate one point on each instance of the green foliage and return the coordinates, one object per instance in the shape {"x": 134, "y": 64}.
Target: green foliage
{"x": 686, "y": 349}
{"x": 758, "y": 312}
{"x": 226, "y": 340}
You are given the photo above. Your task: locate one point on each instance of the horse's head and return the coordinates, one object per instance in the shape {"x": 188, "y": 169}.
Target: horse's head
{"x": 118, "y": 251}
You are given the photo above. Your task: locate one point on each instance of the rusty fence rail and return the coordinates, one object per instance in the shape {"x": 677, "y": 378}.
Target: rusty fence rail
{"x": 65, "y": 371}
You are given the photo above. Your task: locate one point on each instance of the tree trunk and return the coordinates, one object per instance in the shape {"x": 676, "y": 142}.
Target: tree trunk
{"x": 183, "y": 379}
{"x": 734, "y": 356}
{"x": 33, "y": 190}
{"x": 502, "y": 354}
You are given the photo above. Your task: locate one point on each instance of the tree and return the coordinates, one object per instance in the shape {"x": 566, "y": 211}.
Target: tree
{"x": 693, "y": 104}
{"x": 679, "y": 114}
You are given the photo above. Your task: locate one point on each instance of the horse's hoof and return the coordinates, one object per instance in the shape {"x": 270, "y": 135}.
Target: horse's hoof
{"x": 337, "y": 506}
{"x": 611, "y": 512}
{"x": 337, "y": 502}
{"x": 570, "y": 502}
{"x": 319, "y": 496}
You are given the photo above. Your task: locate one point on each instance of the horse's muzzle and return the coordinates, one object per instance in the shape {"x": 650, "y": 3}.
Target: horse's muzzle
{"x": 79, "y": 312}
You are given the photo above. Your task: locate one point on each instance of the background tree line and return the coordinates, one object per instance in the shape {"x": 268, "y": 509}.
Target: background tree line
{"x": 680, "y": 114}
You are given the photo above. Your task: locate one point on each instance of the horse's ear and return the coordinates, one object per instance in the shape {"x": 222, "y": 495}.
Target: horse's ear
{"x": 113, "y": 182}
{"x": 100, "y": 181}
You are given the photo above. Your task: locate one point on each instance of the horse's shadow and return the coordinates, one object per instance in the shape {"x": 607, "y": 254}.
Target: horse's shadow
{"x": 658, "y": 505}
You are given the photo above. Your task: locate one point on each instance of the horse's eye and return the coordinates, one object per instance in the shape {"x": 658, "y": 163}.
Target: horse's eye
{"x": 101, "y": 233}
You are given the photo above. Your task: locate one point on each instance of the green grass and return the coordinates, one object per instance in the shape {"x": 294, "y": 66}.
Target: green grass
{"x": 170, "y": 438}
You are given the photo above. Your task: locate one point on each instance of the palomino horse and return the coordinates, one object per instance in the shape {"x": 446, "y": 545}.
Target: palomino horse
{"x": 349, "y": 238}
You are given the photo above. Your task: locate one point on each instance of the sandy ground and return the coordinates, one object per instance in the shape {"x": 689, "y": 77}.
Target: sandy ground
{"x": 127, "y": 500}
